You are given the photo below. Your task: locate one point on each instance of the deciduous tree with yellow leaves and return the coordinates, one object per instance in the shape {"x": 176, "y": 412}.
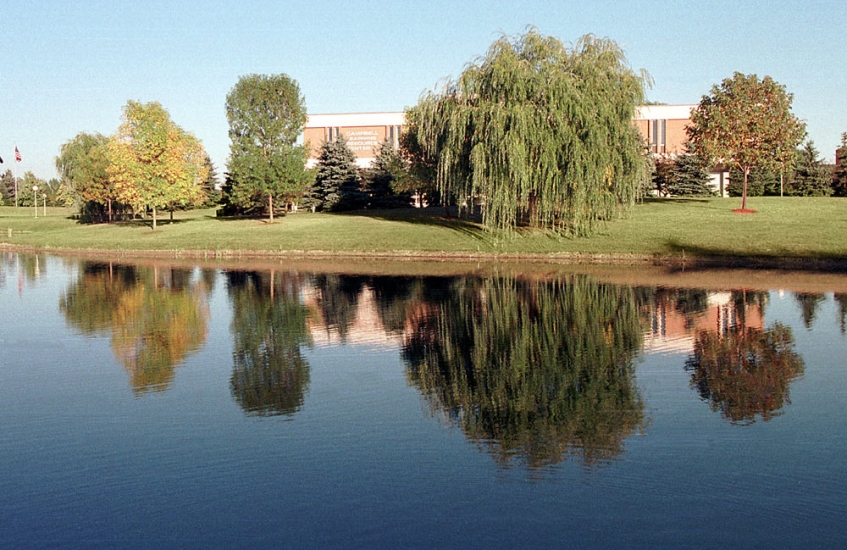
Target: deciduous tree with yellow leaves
{"x": 153, "y": 163}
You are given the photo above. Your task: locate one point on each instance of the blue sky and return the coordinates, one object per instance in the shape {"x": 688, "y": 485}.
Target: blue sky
{"x": 71, "y": 67}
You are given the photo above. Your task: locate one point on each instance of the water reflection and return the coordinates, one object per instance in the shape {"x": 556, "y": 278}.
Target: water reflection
{"x": 745, "y": 372}
{"x": 536, "y": 371}
{"x": 270, "y": 376}
{"x": 841, "y": 301}
{"x": 24, "y": 267}
{"x": 155, "y": 317}
{"x": 533, "y": 371}
{"x": 809, "y": 303}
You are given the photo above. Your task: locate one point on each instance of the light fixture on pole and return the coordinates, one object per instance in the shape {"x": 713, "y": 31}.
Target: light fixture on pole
{"x": 44, "y": 200}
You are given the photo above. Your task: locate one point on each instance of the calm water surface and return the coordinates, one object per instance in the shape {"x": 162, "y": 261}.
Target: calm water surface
{"x": 157, "y": 406}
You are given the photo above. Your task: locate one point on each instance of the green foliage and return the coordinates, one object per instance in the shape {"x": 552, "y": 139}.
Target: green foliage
{"x": 25, "y": 192}
{"x": 153, "y": 163}
{"x": 535, "y": 371}
{"x": 266, "y": 115}
{"x": 541, "y": 133}
{"x": 839, "y": 182}
{"x": 210, "y": 184}
{"x": 663, "y": 166}
{"x": 811, "y": 178}
{"x": 690, "y": 177}
{"x": 337, "y": 185}
{"x": 83, "y": 164}
{"x": 421, "y": 168}
{"x": 746, "y": 123}
{"x": 7, "y": 187}
{"x": 270, "y": 375}
{"x": 760, "y": 183}
{"x": 386, "y": 179}
{"x": 684, "y": 175}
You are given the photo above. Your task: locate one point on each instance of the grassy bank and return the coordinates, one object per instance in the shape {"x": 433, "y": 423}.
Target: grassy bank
{"x": 798, "y": 228}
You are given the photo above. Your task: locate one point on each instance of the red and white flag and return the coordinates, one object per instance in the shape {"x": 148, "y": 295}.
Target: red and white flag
{"x": 17, "y": 154}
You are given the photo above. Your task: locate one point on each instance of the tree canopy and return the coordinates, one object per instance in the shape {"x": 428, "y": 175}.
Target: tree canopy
{"x": 542, "y": 133}
{"x": 83, "y": 164}
{"x": 747, "y": 123}
{"x": 153, "y": 163}
{"x": 266, "y": 115}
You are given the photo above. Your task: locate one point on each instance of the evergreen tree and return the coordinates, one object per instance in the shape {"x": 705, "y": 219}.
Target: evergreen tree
{"x": 810, "y": 175}
{"x": 384, "y": 176}
{"x": 690, "y": 177}
{"x": 839, "y": 182}
{"x": 213, "y": 194}
{"x": 760, "y": 182}
{"x": 338, "y": 185}
{"x": 7, "y": 187}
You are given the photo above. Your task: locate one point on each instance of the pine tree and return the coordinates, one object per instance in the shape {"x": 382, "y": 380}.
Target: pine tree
{"x": 337, "y": 185}
{"x": 810, "y": 175}
{"x": 839, "y": 182}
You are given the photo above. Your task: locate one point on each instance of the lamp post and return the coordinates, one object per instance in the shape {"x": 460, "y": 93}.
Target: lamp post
{"x": 44, "y": 201}
{"x": 35, "y": 198}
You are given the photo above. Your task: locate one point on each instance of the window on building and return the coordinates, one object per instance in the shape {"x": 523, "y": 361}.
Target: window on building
{"x": 657, "y": 135}
{"x": 332, "y": 134}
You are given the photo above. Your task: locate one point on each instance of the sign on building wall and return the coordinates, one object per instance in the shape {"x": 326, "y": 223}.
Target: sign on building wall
{"x": 363, "y": 141}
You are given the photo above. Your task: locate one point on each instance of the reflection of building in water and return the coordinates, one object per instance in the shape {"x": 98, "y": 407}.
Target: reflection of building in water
{"x": 364, "y": 328}
{"x": 673, "y": 331}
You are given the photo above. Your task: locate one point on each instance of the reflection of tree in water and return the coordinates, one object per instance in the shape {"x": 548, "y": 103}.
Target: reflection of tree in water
{"x": 155, "y": 317}
{"x": 745, "y": 373}
{"x": 393, "y": 296}
{"x": 270, "y": 375}
{"x": 809, "y": 302}
{"x": 841, "y": 301}
{"x": 536, "y": 371}
{"x": 338, "y": 300}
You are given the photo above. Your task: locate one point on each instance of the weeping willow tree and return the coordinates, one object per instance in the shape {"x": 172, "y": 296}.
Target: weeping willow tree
{"x": 539, "y": 132}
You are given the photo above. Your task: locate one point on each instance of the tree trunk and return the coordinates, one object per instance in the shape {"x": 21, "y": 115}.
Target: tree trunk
{"x": 109, "y": 202}
{"x": 154, "y": 218}
{"x": 744, "y": 189}
{"x": 271, "y": 207}
{"x": 172, "y": 215}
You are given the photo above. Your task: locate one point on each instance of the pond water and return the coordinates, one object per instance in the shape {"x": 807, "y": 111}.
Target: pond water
{"x": 175, "y": 406}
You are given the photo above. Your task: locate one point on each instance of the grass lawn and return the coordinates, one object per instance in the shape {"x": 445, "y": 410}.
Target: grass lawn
{"x": 808, "y": 228}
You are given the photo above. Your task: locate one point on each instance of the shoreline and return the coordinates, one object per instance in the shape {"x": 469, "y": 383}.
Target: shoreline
{"x": 676, "y": 261}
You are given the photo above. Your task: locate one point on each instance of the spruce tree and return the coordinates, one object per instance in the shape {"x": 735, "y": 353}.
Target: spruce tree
{"x": 810, "y": 175}
{"x": 338, "y": 185}
{"x": 690, "y": 177}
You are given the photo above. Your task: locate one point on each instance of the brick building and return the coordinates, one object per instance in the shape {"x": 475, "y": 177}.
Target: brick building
{"x": 663, "y": 128}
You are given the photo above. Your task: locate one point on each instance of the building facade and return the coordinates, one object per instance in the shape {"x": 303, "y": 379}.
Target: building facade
{"x": 662, "y": 126}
